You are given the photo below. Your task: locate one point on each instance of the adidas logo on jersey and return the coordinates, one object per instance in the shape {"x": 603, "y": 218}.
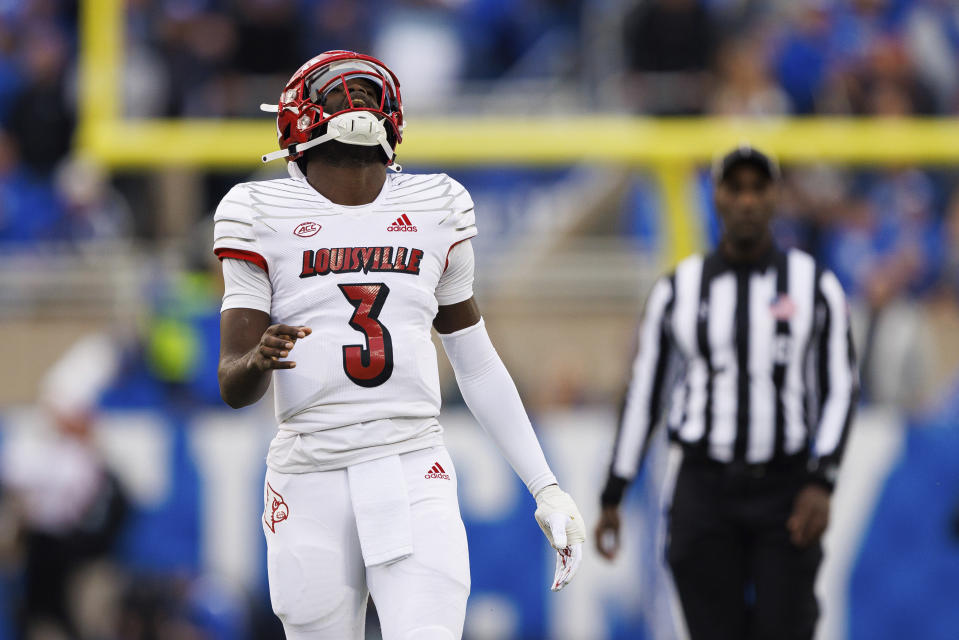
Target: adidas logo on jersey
{"x": 402, "y": 224}
{"x": 437, "y": 471}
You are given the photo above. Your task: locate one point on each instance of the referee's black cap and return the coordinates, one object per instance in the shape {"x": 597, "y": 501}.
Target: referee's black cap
{"x": 745, "y": 154}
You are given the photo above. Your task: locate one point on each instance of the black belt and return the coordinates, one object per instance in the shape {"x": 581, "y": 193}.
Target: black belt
{"x": 795, "y": 463}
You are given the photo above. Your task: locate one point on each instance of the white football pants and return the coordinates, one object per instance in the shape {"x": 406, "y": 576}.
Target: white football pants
{"x": 318, "y": 578}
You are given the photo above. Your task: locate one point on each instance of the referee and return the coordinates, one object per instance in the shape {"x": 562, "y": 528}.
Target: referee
{"x": 747, "y": 352}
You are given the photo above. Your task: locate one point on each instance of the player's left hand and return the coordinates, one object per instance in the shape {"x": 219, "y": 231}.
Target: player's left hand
{"x": 562, "y": 524}
{"x": 810, "y": 515}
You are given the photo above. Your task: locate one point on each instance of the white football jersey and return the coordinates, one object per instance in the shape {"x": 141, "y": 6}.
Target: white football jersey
{"x": 363, "y": 278}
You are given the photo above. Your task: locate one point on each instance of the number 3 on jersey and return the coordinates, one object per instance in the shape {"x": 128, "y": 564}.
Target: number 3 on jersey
{"x": 368, "y": 365}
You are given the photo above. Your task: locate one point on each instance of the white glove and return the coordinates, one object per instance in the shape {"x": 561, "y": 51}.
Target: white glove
{"x": 562, "y": 523}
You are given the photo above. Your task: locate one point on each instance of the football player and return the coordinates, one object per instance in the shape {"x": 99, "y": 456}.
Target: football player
{"x": 333, "y": 278}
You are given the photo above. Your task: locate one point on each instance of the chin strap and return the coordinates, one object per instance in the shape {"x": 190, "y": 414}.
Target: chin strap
{"x": 294, "y": 170}
{"x": 354, "y": 127}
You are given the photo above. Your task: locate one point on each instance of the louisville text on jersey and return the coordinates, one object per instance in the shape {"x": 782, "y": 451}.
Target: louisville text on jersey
{"x": 355, "y": 259}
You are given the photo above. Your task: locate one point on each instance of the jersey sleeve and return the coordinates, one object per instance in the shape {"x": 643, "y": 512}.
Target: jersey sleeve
{"x": 643, "y": 402}
{"x": 245, "y": 286}
{"x": 456, "y": 283}
{"x": 233, "y": 235}
{"x": 837, "y": 378}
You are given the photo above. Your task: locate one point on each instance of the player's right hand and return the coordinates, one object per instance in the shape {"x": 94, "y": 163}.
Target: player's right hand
{"x": 275, "y": 343}
{"x": 607, "y": 533}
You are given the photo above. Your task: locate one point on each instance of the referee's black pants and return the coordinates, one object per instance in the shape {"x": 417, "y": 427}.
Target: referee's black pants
{"x": 737, "y": 573}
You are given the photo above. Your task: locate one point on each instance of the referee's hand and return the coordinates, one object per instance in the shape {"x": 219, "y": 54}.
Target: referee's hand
{"x": 607, "y": 533}
{"x": 810, "y": 515}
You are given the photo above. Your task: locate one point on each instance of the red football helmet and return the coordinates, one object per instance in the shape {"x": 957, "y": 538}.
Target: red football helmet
{"x": 300, "y": 112}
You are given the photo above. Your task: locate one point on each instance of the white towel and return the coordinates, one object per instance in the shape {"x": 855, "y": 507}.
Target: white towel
{"x": 381, "y": 505}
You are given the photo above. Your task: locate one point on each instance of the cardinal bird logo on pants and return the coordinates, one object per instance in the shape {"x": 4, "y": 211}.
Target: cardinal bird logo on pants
{"x": 275, "y": 508}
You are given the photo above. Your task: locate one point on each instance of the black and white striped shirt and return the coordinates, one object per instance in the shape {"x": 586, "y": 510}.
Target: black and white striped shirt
{"x": 750, "y": 364}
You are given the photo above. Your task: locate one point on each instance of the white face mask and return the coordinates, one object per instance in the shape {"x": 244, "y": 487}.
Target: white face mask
{"x": 353, "y": 127}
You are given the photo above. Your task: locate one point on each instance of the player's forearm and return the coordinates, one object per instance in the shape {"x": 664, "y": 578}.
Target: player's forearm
{"x": 241, "y": 383}
{"x": 492, "y": 397}
{"x": 496, "y": 405}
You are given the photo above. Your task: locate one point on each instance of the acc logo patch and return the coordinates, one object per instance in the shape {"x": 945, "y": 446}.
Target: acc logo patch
{"x": 306, "y": 229}
{"x": 275, "y": 508}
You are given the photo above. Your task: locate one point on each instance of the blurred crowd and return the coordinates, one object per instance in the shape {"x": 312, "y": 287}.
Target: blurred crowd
{"x": 816, "y": 57}
{"x": 891, "y": 235}
{"x": 45, "y": 193}
{"x": 884, "y": 232}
